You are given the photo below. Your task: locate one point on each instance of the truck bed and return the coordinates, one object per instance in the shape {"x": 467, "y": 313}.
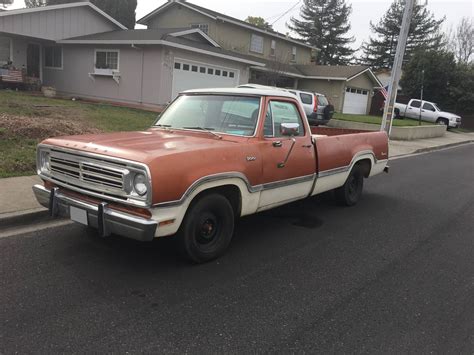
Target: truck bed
{"x": 330, "y": 131}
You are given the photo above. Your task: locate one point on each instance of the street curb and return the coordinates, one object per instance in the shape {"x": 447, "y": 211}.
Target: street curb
{"x": 440, "y": 147}
{"x": 23, "y": 217}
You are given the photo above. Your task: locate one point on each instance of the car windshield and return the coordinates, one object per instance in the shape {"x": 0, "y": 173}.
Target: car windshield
{"x": 322, "y": 101}
{"x": 235, "y": 115}
{"x": 436, "y": 107}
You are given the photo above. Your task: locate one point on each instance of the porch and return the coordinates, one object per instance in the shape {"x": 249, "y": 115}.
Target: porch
{"x": 21, "y": 60}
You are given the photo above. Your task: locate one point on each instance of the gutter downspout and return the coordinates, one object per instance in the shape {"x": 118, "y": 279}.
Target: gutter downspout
{"x": 142, "y": 70}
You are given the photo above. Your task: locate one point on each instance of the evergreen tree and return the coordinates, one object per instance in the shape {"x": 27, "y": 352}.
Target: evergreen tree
{"x": 324, "y": 24}
{"x": 121, "y": 10}
{"x": 424, "y": 32}
{"x": 439, "y": 75}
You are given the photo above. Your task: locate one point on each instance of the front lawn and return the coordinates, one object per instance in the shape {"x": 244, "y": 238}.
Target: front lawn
{"x": 25, "y": 120}
{"x": 376, "y": 120}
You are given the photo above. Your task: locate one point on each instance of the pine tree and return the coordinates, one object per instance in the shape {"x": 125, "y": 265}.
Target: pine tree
{"x": 324, "y": 24}
{"x": 121, "y": 10}
{"x": 379, "y": 51}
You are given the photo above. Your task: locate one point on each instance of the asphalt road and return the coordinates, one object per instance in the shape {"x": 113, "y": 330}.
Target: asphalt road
{"x": 395, "y": 274}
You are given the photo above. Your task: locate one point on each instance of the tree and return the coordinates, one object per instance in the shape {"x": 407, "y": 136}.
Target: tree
{"x": 325, "y": 24}
{"x": 121, "y": 10}
{"x": 461, "y": 41}
{"x": 439, "y": 75}
{"x": 424, "y": 32}
{"x": 259, "y": 22}
{"x": 461, "y": 89}
{"x": 35, "y": 3}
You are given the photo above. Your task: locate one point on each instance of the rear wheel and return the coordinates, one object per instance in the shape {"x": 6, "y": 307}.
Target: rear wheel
{"x": 207, "y": 228}
{"x": 349, "y": 193}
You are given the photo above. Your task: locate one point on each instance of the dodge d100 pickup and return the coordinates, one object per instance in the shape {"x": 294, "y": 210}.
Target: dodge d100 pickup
{"x": 212, "y": 156}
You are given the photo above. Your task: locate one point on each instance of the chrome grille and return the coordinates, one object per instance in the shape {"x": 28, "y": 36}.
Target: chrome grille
{"x": 94, "y": 174}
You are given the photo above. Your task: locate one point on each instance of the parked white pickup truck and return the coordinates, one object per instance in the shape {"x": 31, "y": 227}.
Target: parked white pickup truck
{"x": 430, "y": 112}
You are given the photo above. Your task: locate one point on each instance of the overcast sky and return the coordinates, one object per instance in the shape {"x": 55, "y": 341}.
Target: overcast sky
{"x": 363, "y": 12}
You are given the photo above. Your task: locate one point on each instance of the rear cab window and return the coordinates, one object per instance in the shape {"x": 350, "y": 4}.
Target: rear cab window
{"x": 415, "y": 103}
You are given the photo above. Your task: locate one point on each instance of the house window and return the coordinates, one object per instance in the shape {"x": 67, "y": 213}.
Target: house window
{"x": 272, "y": 48}
{"x": 186, "y": 67}
{"x": 210, "y": 71}
{"x": 293, "y": 54}
{"x": 194, "y": 68}
{"x": 177, "y": 65}
{"x": 256, "y": 44}
{"x": 231, "y": 74}
{"x": 53, "y": 57}
{"x": 224, "y": 73}
{"x": 5, "y": 45}
{"x": 106, "y": 61}
{"x": 204, "y": 27}
{"x": 202, "y": 70}
{"x": 218, "y": 72}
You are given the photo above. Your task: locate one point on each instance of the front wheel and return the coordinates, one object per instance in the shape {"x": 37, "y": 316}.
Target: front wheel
{"x": 349, "y": 193}
{"x": 207, "y": 228}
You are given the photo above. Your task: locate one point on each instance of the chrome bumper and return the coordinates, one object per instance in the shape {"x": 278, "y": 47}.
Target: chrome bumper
{"x": 105, "y": 219}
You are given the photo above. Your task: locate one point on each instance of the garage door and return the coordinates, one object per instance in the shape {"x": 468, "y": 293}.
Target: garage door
{"x": 194, "y": 75}
{"x": 355, "y": 101}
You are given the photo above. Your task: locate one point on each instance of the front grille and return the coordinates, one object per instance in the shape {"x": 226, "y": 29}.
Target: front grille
{"x": 97, "y": 175}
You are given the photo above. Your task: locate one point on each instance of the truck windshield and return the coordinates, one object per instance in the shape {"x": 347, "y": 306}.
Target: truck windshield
{"x": 237, "y": 115}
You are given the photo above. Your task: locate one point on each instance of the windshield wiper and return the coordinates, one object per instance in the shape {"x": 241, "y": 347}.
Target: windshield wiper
{"x": 205, "y": 129}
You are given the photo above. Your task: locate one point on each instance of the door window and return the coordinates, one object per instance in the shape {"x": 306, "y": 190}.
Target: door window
{"x": 429, "y": 107}
{"x": 281, "y": 112}
{"x": 307, "y": 99}
{"x": 415, "y": 104}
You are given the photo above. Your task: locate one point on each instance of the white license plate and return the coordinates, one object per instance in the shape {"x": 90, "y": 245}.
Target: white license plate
{"x": 78, "y": 215}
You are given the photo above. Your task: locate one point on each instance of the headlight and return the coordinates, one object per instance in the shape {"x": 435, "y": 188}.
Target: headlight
{"x": 44, "y": 163}
{"x": 140, "y": 184}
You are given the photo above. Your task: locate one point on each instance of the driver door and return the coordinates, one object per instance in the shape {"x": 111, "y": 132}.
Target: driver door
{"x": 289, "y": 162}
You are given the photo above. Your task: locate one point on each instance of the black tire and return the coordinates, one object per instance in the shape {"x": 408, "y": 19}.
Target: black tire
{"x": 443, "y": 121}
{"x": 349, "y": 193}
{"x": 328, "y": 112}
{"x": 207, "y": 228}
{"x": 397, "y": 114}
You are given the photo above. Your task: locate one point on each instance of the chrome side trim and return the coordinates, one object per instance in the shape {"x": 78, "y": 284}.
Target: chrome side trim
{"x": 346, "y": 168}
{"x": 235, "y": 175}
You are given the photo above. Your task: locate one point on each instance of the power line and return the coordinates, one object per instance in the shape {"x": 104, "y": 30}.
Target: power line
{"x": 285, "y": 13}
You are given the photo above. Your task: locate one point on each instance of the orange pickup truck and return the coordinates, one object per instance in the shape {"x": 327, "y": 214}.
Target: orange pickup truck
{"x": 213, "y": 155}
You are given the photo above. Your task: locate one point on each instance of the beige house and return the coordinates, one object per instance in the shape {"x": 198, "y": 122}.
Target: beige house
{"x": 231, "y": 33}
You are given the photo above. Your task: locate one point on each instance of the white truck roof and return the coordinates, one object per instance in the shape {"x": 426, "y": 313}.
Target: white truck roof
{"x": 241, "y": 91}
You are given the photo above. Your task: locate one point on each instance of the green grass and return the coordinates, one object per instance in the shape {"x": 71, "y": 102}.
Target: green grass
{"x": 376, "y": 120}
{"x": 17, "y": 152}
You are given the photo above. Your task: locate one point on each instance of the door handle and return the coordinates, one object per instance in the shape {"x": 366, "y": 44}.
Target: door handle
{"x": 278, "y": 144}
{"x": 307, "y": 146}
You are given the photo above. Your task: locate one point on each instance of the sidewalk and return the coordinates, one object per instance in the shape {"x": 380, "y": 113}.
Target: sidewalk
{"x": 18, "y": 204}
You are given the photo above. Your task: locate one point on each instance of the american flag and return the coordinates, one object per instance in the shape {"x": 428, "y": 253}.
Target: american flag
{"x": 384, "y": 92}
{"x": 13, "y": 76}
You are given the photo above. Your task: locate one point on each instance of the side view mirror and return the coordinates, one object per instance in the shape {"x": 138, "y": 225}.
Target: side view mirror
{"x": 289, "y": 129}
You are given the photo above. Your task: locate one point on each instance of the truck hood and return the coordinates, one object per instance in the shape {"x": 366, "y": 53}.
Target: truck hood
{"x": 142, "y": 146}
{"x": 448, "y": 115}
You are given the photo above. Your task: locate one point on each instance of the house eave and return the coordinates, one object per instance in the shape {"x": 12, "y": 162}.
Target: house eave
{"x": 63, "y": 6}
{"x": 163, "y": 43}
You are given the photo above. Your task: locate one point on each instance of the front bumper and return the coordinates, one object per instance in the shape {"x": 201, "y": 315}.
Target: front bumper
{"x": 101, "y": 217}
